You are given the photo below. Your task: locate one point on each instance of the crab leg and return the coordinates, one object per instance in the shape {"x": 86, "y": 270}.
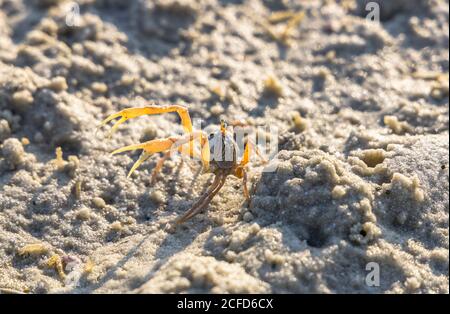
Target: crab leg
{"x": 247, "y": 153}
{"x": 144, "y": 156}
{"x": 158, "y": 166}
{"x": 170, "y": 143}
{"x": 196, "y": 154}
{"x": 241, "y": 172}
{"x": 131, "y": 113}
{"x": 206, "y": 198}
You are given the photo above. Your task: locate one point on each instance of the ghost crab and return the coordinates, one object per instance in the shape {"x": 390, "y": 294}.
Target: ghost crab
{"x": 219, "y": 157}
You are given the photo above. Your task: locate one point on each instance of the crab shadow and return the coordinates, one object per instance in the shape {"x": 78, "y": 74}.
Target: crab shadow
{"x": 111, "y": 273}
{"x": 172, "y": 244}
{"x": 147, "y": 212}
{"x": 265, "y": 102}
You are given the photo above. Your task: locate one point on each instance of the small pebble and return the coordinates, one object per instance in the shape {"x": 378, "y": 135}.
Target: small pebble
{"x": 157, "y": 196}
{"x": 254, "y": 229}
{"x": 338, "y": 192}
{"x": 127, "y": 79}
{"x": 13, "y": 151}
{"x": 22, "y": 99}
{"x": 116, "y": 226}
{"x": 99, "y": 202}
{"x": 273, "y": 86}
{"x": 217, "y": 110}
{"x": 58, "y": 84}
{"x": 5, "y": 130}
{"x": 83, "y": 213}
{"x": 100, "y": 88}
{"x": 24, "y": 141}
{"x": 248, "y": 217}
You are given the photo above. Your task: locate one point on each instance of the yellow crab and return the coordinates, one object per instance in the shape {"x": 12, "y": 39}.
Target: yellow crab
{"x": 219, "y": 157}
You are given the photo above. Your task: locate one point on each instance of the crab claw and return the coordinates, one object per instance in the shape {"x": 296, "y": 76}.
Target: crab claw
{"x": 148, "y": 148}
{"x": 144, "y": 156}
{"x": 124, "y": 115}
{"x": 130, "y": 113}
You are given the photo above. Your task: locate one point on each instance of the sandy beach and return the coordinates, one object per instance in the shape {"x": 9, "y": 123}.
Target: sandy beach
{"x": 357, "y": 199}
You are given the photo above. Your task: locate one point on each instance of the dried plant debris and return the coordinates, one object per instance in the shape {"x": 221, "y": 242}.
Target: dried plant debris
{"x": 283, "y": 33}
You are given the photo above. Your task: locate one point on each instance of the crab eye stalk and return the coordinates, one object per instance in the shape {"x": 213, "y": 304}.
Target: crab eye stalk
{"x": 223, "y": 126}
